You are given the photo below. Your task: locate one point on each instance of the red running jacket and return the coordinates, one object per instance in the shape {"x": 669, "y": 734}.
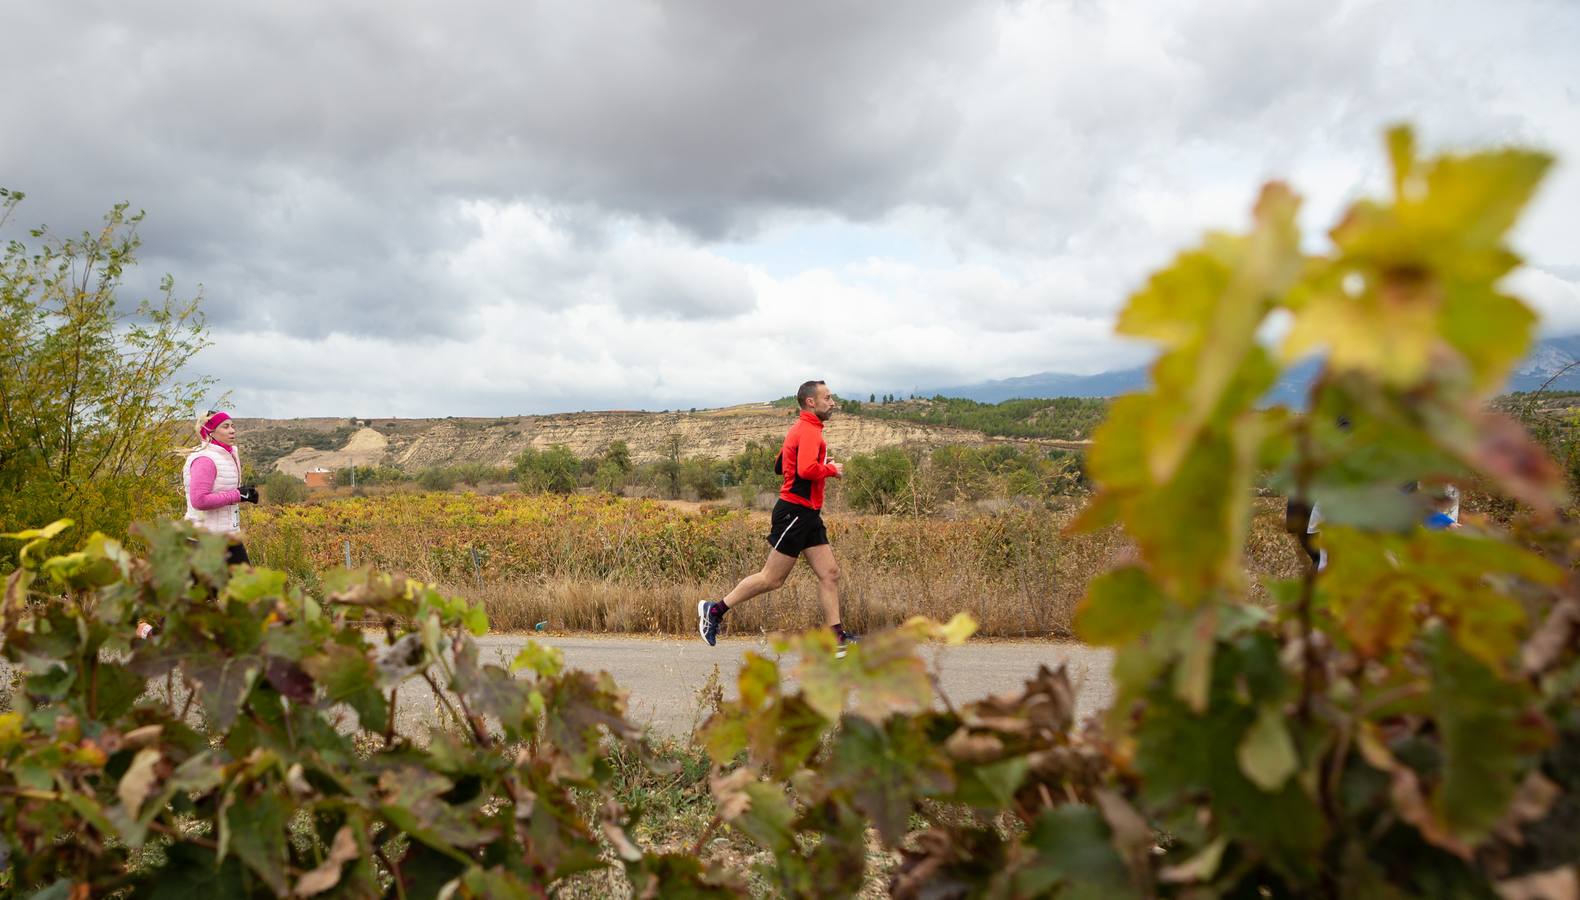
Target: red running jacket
{"x": 803, "y": 460}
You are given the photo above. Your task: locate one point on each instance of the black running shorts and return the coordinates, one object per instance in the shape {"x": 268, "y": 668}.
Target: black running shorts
{"x": 795, "y": 528}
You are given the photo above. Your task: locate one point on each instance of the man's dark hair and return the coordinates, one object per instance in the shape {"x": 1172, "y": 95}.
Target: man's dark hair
{"x": 806, "y": 392}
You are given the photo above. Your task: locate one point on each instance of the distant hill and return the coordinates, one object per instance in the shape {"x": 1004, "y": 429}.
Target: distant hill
{"x": 295, "y": 446}
{"x": 1546, "y": 359}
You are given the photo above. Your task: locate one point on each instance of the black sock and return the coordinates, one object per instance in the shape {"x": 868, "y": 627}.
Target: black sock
{"x": 718, "y": 609}
{"x": 839, "y": 631}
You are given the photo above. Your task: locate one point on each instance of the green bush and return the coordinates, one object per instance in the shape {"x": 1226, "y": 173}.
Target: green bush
{"x": 293, "y": 778}
{"x": 703, "y": 477}
{"x": 281, "y": 488}
{"x": 436, "y": 478}
{"x": 555, "y": 470}
{"x": 367, "y": 476}
{"x": 884, "y": 481}
{"x": 474, "y": 474}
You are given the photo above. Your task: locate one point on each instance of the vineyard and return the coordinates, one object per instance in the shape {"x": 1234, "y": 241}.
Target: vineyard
{"x": 1399, "y": 721}
{"x": 601, "y": 563}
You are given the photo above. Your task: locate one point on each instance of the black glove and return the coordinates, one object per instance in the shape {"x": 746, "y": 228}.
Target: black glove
{"x": 249, "y": 493}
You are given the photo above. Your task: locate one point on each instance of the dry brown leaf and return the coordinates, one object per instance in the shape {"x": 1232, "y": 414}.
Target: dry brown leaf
{"x": 1133, "y": 837}
{"x": 1531, "y": 802}
{"x": 730, "y": 794}
{"x": 1557, "y": 631}
{"x": 1554, "y": 884}
{"x": 341, "y": 851}
{"x": 138, "y": 782}
{"x": 974, "y": 748}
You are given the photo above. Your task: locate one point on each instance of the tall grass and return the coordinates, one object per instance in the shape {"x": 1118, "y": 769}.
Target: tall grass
{"x": 595, "y": 562}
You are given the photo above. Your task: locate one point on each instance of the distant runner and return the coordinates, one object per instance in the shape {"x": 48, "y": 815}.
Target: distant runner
{"x": 797, "y": 525}
{"x": 212, "y": 481}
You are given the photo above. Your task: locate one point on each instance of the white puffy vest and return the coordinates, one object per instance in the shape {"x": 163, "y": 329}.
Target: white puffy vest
{"x": 227, "y": 477}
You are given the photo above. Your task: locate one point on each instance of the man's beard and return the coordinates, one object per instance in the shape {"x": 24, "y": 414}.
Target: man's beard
{"x": 824, "y": 415}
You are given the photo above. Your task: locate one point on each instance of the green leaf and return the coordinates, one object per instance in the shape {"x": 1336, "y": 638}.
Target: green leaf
{"x": 1193, "y": 674}
{"x": 425, "y": 871}
{"x": 1183, "y": 756}
{"x": 545, "y": 661}
{"x": 1491, "y": 731}
{"x": 191, "y": 872}
{"x": 223, "y": 684}
{"x": 475, "y": 620}
{"x": 349, "y": 676}
{"x": 115, "y": 689}
{"x": 1120, "y": 606}
{"x": 412, "y": 799}
{"x": 991, "y": 786}
{"x": 577, "y": 705}
{"x": 497, "y": 882}
{"x": 491, "y": 690}
{"x": 886, "y": 769}
{"x": 1073, "y": 849}
{"x": 250, "y": 586}
{"x": 883, "y": 672}
{"x": 781, "y": 731}
{"x": 677, "y": 876}
{"x": 758, "y": 809}
{"x": 1267, "y": 754}
{"x": 257, "y": 834}
{"x": 1381, "y": 588}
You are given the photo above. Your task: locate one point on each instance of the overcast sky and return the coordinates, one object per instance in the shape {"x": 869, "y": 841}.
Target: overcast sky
{"x": 488, "y": 208}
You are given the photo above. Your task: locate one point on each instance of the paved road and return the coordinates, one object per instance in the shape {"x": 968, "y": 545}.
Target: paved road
{"x": 662, "y": 675}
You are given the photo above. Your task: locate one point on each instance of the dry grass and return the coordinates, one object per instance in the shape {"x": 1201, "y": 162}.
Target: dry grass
{"x": 596, "y": 563}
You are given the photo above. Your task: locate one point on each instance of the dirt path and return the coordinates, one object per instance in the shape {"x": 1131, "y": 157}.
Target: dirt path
{"x": 663, "y": 675}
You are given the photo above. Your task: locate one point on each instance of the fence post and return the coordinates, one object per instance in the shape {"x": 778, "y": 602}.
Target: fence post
{"x": 348, "y": 554}
{"x": 477, "y": 570}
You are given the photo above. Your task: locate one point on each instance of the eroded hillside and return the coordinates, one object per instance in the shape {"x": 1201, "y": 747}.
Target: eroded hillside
{"x": 296, "y": 445}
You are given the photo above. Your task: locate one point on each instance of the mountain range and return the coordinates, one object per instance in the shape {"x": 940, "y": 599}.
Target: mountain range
{"x": 1548, "y": 358}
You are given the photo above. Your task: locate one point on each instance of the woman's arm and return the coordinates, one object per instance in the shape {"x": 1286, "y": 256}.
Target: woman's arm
{"x": 200, "y": 487}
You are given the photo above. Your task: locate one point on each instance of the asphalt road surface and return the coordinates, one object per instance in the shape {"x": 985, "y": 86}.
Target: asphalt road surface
{"x": 663, "y": 675}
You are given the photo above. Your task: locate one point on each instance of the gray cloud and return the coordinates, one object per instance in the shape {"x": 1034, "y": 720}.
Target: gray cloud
{"x": 391, "y": 181}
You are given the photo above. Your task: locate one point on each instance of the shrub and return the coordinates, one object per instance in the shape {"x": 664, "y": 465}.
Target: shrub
{"x": 280, "y": 488}
{"x": 436, "y": 478}
{"x": 554, "y": 470}
{"x": 701, "y": 476}
{"x": 293, "y": 779}
{"x": 883, "y": 481}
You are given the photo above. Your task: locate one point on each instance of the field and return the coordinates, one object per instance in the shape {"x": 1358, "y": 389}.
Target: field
{"x": 595, "y": 562}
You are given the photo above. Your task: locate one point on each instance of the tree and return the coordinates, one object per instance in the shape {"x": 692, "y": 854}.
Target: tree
{"x": 879, "y": 482}
{"x": 618, "y": 455}
{"x": 701, "y": 476}
{"x": 92, "y": 399}
{"x": 280, "y": 488}
{"x": 669, "y": 465}
{"x": 553, "y": 470}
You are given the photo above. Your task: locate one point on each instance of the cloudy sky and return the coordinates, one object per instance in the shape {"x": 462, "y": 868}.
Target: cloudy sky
{"x": 485, "y": 208}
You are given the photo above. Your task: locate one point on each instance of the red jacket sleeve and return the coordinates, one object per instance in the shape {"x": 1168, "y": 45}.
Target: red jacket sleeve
{"x": 807, "y": 464}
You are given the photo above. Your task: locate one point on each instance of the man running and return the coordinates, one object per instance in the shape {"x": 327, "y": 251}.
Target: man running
{"x": 797, "y": 525}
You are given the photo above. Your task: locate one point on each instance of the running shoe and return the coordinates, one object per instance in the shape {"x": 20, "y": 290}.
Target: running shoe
{"x": 707, "y": 622}
{"x": 845, "y": 641}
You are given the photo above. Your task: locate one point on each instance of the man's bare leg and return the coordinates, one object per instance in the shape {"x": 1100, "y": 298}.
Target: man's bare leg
{"x": 821, "y": 558}
{"x": 772, "y": 576}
